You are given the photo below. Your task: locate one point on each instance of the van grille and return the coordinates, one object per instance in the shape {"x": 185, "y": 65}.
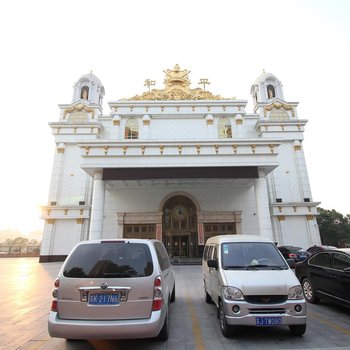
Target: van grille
{"x": 266, "y": 299}
{"x": 267, "y": 311}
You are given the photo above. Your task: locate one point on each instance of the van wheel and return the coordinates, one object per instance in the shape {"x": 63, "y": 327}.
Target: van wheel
{"x": 164, "y": 332}
{"x": 226, "y": 329}
{"x": 309, "y": 291}
{"x": 298, "y": 330}
{"x": 208, "y": 298}
{"x": 172, "y": 297}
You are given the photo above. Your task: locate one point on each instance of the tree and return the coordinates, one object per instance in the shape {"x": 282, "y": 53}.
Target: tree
{"x": 334, "y": 227}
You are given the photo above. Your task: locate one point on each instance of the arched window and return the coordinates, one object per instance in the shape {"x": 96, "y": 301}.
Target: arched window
{"x": 271, "y": 92}
{"x": 279, "y": 114}
{"x": 84, "y": 93}
{"x": 224, "y": 128}
{"x": 131, "y": 129}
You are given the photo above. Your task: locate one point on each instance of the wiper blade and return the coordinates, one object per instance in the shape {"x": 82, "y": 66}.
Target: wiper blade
{"x": 234, "y": 267}
{"x": 273, "y": 267}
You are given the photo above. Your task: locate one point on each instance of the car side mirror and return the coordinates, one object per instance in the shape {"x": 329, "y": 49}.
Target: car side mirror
{"x": 212, "y": 263}
{"x": 291, "y": 263}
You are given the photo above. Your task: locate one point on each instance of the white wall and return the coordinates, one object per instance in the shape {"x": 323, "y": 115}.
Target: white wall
{"x": 209, "y": 198}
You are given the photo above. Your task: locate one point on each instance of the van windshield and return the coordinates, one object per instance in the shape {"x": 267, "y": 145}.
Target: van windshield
{"x": 251, "y": 255}
{"x": 110, "y": 260}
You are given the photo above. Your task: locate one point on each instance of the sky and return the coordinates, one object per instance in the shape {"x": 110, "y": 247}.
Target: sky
{"x": 47, "y": 46}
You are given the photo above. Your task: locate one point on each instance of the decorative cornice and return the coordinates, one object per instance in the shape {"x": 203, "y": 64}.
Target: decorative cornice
{"x": 78, "y": 108}
{"x": 279, "y": 105}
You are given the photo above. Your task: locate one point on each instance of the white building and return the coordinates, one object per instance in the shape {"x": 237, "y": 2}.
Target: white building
{"x": 179, "y": 165}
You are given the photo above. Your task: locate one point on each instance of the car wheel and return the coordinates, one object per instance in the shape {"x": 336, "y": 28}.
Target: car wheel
{"x": 298, "y": 330}
{"x": 226, "y": 329}
{"x": 309, "y": 291}
{"x": 172, "y": 297}
{"x": 164, "y": 332}
{"x": 208, "y": 298}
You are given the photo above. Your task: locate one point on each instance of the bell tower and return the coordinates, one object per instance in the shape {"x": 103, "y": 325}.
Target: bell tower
{"x": 89, "y": 89}
{"x": 266, "y": 88}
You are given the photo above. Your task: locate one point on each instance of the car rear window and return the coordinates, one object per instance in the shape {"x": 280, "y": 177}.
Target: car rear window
{"x": 110, "y": 260}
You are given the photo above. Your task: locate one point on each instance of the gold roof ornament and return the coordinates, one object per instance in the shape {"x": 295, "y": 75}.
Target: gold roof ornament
{"x": 177, "y": 87}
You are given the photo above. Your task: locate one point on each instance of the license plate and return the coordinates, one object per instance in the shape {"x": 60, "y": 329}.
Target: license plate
{"x": 104, "y": 299}
{"x": 268, "y": 321}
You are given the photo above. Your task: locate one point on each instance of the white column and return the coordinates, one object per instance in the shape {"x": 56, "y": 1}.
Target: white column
{"x": 98, "y": 200}
{"x": 115, "y": 127}
{"x": 145, "y": 126}
{"x": 302, "y": 170}
{"x": 210, "y": 128}
{"x": 57, "y": 173}
{"x": 238, "y": 130}
{"x": 262, "y": 206}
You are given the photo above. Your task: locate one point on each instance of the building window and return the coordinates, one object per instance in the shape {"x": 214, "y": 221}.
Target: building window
{"x": 84, "y": 93}
{"x": 145, "y": 231}
{"x": 216, "y": 229}
{"x": 131, "y": 129}
{"x": 279, "y": 114}
{"x": 224, "y": 128}
{"x": 271, "y": 92}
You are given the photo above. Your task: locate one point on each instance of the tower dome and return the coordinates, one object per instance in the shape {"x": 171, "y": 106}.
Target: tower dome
{"x": 266, "y": 88}
{"x": 90, "y": 89}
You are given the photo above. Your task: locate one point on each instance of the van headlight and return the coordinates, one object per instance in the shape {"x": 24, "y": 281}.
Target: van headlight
{"x": 232, "y": 293}
{"x": 295, "y": 293}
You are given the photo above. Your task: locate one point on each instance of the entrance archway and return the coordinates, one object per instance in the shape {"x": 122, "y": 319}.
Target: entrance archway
{"x": 179, "y": 221}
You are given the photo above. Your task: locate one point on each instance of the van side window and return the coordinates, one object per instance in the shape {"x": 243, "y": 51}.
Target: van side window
{"x": 205, "y": 253}
{"x": 215, "y": 253}
{"x": 210, "y": 252}
{"x": 162, "y": 255}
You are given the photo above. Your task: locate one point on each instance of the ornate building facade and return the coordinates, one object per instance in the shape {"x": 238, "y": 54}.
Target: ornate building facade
{"x": 179, "y": 165}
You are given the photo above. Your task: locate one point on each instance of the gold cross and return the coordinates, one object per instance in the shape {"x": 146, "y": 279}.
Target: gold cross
{"x": 204, "y": 82}
{"x": 149, "y": 83}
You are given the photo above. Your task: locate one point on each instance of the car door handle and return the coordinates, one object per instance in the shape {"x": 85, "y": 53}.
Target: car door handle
{"x": 333, "y": 276}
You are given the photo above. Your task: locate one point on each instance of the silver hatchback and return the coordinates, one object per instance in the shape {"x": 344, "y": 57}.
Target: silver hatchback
{"x": 113, "y": 289}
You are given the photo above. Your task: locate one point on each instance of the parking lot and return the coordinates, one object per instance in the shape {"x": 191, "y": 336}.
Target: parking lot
{"x": 26, "y": 298}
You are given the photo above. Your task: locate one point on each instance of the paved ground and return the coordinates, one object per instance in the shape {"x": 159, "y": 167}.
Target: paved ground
{"x": 26, "y": 297}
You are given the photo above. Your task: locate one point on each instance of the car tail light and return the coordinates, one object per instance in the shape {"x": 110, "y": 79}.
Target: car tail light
{"x": 54, "y": 305}
{"x": 55, "y": 295}
{"x": 292, "y": 255}
{"x": 157, "y": 294}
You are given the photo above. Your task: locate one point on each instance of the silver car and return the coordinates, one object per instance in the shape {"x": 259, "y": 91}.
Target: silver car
{"x": 113, "y": 289}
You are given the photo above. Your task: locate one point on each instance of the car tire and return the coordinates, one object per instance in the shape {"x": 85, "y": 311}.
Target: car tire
{"x": 226, "y": 329}
{"x": 164, "y": 332}
{"x": 309, "y": 291}
{"x": 208, "y": 298}
{"x": 172, "y": 297}
{"x": 298, "y": 330}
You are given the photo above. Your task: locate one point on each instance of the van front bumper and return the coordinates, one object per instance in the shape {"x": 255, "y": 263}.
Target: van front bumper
{"x": 248, "y": 313}
{"x": 106, "y": 329}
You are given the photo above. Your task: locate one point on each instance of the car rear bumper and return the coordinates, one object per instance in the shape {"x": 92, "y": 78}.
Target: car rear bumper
{"x": 106, "y": 329}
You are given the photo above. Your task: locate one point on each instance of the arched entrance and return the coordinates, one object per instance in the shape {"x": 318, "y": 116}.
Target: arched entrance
{"x": 179, "y": 222}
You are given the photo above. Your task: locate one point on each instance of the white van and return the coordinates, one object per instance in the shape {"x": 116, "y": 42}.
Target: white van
{"x": 251, "y": 284}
